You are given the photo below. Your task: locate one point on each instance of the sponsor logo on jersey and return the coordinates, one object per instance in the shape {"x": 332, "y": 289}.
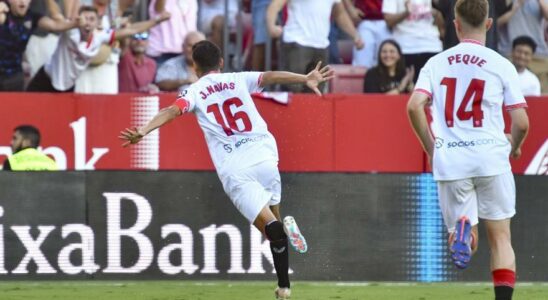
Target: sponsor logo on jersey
{"x": 472, "y": 143}
{"x": 439, "y": 142}
{"x": 228, "y": 147}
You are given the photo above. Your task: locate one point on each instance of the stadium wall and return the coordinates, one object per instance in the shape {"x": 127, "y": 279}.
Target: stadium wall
{"x": 180, "y": 225}
{"x": 336, "y": 133}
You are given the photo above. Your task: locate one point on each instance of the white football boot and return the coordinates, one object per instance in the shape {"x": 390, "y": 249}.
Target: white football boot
{"x": 296, "y": 239}
{"x": 282, "y": 293}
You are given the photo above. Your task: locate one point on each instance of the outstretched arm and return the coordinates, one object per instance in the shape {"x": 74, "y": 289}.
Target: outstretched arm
{"x": 312, "y": 79}
{"x": 57, "y": 22}
{"x": 142, "y": 26}
{"x": 133, "y": 136}
{"x": 417, "y": 118}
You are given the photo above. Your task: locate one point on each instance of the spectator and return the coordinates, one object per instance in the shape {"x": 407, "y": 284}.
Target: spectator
{"x": 305, "y": 35}
{"x": 391, "y": 76}
{"x": 527, "y": 18}
{"x": 497, "y": 8}
{"x": 367, "y": 14}
{"x": 136, "y": 70}
{"x": 25, "y": 155}
{"x": 178, "y": 73}
{"x": 260, "y": 33}
{"x": 167, "y": 38}
{"x": 212, "y": 18}
{"x": 77, "y": 47}
{"x": 101, "y": 74}
{"x": 413, "y": 24}
{"x": 523, "y": 49}
{"x": 17, "y": 24}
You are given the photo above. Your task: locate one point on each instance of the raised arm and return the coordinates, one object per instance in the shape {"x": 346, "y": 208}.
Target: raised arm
{"x": 417, "y": 118}
{"x": 142, "y": 26}
{"x": 518, "y": 131}
{"x": 57, "y": 22}
{"x": 164, "y": 116}
{"x": 312, "y": 79}
{"x": 272, "y": 12}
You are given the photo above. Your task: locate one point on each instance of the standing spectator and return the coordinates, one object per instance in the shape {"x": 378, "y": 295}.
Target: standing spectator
{"x": 413, "y": 24}
{"x": 136, "y": 70}
{"x": 212, "y": 18}
{"x": 527, "y": 17}
{"x": 390, "y": 76}
{"x": 523, "y": 49}
{"x": 305, "y": 35}
{"x": 25, "y": 155}
{"x": 77, "y": 47}
{"x": 178, "y": 73}
{"x": 497, "y": 8}
{"x": 166, "y": 39}
{"x": 260, "y": 33}
{"x": 371, "y": 27}
{"x": 17, "y": 24}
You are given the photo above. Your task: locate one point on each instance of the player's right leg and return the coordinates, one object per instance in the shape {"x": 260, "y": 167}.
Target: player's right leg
{"x": 458, "y": 204}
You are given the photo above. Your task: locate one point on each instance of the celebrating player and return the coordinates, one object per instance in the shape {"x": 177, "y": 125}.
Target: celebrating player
{"x": 467, "y": 86}
{"x": 243, "y": 151}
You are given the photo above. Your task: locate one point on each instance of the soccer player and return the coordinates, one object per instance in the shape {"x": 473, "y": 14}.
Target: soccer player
{"x": 243, "y": 151}
{"x": 467, "y": 86}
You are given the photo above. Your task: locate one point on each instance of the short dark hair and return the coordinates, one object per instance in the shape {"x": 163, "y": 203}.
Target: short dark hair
{"x": 29, "y": 132}
{"x": 472, "y": 12}
{"x": 89, "y": 8}
{"x": 206, "y": 56}
{"x": 524, "y": 40}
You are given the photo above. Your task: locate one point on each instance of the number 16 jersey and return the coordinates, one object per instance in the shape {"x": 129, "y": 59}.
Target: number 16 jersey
{"x": 236, "y": 134}
{"x": 469, "y": 84}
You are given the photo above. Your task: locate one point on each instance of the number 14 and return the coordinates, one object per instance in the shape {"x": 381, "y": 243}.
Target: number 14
{"x": 475, "y": 90}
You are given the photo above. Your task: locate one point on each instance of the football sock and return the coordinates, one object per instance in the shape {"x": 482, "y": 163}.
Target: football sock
{"x": 278, "y": 246}
{"x": 504, "y": 281}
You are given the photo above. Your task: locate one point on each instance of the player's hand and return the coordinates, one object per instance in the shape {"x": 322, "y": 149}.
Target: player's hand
{"x": 275, "y": 31}
{"x": 317, "y": 76}
{"x": 130, "y": 136}
{"x": 515, "y": 152}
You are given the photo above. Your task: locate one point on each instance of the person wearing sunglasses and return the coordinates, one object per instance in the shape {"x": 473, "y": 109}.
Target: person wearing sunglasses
{"x": 136, "y": 70}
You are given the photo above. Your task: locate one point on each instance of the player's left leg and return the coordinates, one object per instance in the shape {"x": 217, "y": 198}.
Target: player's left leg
{"x": 273, "y": 229}
{"x": 496, "y": 203}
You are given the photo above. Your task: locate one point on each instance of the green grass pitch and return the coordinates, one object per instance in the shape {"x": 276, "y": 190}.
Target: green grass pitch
{"x": 256, "y": 290}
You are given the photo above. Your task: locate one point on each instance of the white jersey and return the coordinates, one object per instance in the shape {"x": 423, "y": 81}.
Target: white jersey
{"x": 469, "y": 84}
{"x": 73, "y": 55}
{"x": 235, "y": 132}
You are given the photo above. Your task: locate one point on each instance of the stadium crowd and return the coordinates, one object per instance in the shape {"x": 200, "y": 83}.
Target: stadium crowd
{"x": 144, "y": 46}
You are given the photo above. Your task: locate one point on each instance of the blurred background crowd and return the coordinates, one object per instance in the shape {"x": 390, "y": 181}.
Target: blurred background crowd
{"x": 144, "y": 46}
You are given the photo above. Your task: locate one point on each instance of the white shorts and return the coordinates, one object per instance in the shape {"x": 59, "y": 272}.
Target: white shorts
{"x": 251, "y": 189}
{"x": 489, "y": 198}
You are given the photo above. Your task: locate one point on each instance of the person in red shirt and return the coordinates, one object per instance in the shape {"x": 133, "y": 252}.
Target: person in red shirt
{"x": 368, "y": 17}
{"x": 136, "y": 70}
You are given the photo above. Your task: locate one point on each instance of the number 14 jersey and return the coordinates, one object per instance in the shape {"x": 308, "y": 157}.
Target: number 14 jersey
{"x": 236, "y": 134}
{"x": 468, "y": 85}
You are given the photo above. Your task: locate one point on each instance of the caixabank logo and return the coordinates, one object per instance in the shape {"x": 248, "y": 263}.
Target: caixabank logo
{"x": 174, "y": 254}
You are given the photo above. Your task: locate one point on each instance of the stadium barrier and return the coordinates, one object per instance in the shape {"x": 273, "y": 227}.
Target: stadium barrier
{"x": 180, "y": 225}
{"x": 336, "y": 133}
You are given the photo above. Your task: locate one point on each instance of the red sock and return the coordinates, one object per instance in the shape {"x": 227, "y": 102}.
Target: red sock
{"x": 504, "y": 277}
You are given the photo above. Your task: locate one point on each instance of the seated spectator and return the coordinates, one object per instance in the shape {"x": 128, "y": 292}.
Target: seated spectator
{"x": 527, "y": 17}
{"x": 416, "y": 27}
{"x": 305, "y": 34}
{"x": 212, "y": 18}
{"x": 166, "y": 39}
{"x": 77, "y": 47}
{"x": 178, "y": 73}
{"x": 390, "y": 76}
{"x": 25, "y": 155}
{"x": 367, "y": 14}
{"x": 17, "y": 24}
{"x": 136, "y": 70}
{"x": 523, "y": 49}
{"x": 497, "y": 8}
